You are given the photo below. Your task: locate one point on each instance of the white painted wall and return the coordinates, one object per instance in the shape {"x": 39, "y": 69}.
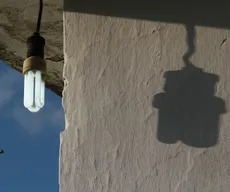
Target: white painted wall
{"x": 118, "y": 129}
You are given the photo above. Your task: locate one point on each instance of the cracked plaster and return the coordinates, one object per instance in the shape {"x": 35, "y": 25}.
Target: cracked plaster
{"x": 113, "y": 68}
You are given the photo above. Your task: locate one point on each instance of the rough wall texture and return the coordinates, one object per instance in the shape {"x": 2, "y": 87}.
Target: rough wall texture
{"x": 146, "y": 106}
{"x": 18, "y": 22}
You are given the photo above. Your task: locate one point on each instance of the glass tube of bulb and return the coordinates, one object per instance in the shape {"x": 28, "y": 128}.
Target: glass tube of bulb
{"x": 34, "y": 91}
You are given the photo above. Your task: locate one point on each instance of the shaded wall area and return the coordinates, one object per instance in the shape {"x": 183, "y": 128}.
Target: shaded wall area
{"x": 199, "y": 13}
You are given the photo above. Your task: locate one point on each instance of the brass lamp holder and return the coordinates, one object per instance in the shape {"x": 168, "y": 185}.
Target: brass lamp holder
{"x": 35, "y": 54}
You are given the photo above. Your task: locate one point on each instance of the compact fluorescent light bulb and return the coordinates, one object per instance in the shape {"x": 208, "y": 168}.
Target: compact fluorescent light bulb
{"x": 34, "y": 71}
{"x": 34, "y": 90}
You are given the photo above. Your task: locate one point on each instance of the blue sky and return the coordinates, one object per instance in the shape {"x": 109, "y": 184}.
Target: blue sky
{"x": 30, "y": 140}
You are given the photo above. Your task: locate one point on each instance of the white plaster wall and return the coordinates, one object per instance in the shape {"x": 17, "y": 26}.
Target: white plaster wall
{"x": 113, "y": 68}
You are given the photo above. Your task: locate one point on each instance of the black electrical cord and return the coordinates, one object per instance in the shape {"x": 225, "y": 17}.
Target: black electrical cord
{"x": 36, "y": 43}
{"x": 39, "y": 17}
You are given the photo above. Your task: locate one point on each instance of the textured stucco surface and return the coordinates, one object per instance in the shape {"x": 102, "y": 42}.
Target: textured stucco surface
{"x": 18, "y": 22}
{"x": 118, "y": 137}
